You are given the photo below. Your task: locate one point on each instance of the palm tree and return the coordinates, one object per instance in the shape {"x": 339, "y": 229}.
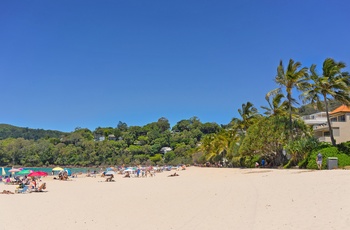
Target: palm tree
{"x": 248, "y": 115}
{"x": 333, "y": 82}
{"x": 217, "y": 146}
{"x": 276, "y": 107}
{"x": 292, "y": 77}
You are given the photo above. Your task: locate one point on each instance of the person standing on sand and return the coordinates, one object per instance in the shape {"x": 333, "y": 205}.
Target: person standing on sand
{"x": 319, "y": 161}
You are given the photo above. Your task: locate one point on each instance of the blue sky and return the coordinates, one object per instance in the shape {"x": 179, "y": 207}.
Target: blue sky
{"x": 82, "y": 63}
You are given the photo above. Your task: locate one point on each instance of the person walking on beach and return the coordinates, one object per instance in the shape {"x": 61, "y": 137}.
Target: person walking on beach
{"x": 319, "y": 161}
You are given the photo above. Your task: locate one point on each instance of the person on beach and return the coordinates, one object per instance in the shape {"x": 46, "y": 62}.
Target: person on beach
{"x": 127, "y": 175}
{"x": 33, "y": 184}
{"x": 109, "y": 178}
{"x": 319, "y": 161}
{"x": 174, "y": 174}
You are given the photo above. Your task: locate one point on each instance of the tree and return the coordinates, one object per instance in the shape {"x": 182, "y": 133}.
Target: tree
{"x": 210, "y": 127}
{"x": 333, "y": 82}
{"x": 216, "y": 147}
{"x": 182, "y": 126}
{"x": 122, "y": 126}
{"x": 292, "y": 77}
{"x": 276, "y": 107}
{"x": 268, "y": 136}
{"x": 248, "y": 115}
{"x": 300, "y": 149}
{"x": 163, "y": 124}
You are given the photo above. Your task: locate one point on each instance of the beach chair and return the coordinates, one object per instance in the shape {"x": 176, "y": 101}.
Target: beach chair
{"x": 41, "y": 188}
{"x": 25, "y": 189}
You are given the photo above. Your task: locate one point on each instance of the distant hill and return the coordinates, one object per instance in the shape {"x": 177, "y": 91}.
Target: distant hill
{"x": 309, "y": 109}
{"x": 10, "y": 131}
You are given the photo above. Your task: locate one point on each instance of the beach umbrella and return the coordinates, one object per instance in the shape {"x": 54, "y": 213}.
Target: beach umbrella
{"x": 39, "y": 173}
{"x": 14, "y": 170}
{"x": 69, "y": 172}
{"x": 57, "y": 169}
{"x": 129, "y": 170}
{"x": 24, "y": 172}
{"x": 110, "y": 173}
{"x": 3, "y": 171}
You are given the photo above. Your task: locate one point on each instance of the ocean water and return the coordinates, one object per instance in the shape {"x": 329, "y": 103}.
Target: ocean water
{"x": 49, "y": 170}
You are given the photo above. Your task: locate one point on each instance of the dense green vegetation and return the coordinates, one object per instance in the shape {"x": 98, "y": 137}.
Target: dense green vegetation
{"x": 10, "y": 131}
{"x": 121, "y": 145}
{"x": 278, "y": 136}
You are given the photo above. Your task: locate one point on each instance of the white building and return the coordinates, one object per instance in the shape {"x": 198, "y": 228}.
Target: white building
{"x": 340, "y": 122}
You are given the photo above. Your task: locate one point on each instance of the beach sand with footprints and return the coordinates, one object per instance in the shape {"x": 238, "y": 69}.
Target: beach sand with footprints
{"x": 199, "y": 198}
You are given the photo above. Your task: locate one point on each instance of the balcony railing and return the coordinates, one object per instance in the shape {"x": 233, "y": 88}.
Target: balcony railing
{"x": 325, "y": 139}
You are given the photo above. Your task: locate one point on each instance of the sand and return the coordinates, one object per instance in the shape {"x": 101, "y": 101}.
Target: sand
{"x": 200, "y": 198}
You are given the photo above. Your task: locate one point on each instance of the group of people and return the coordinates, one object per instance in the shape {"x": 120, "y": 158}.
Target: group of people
{"x": 32, "y": 184}
{"x": 139, "y": 171}
{"x": 62, "y": 175}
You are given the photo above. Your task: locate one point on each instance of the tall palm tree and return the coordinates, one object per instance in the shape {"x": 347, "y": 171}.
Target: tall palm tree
{"x": 294, "y": 77}
{"x": 248, "y": 114}
{"x": 333, "y": 82}
{"x": 276, "y": 106}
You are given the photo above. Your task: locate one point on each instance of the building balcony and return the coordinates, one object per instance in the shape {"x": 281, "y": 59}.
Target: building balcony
{"x": 325, "y": 139}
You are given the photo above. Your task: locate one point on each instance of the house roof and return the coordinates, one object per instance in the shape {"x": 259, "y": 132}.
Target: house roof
{"x": 341, "y": 109}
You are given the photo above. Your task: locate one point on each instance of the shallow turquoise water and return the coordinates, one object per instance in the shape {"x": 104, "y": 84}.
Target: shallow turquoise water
{"x": 49, "y": 170}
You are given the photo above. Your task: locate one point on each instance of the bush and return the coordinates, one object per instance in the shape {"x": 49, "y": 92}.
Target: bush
{"x": 156, "y": 158}
{"x": 344, "y": 147}
{"x": 343, "y": 159}
{"x": 249, "y": 161}
{"x": 169, "y": 156}
{"x": 304, "y": 163}
{"x": 236, "y": 161}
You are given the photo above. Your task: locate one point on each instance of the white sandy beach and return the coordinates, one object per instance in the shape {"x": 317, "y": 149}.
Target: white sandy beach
{"x": 200, "y": 198}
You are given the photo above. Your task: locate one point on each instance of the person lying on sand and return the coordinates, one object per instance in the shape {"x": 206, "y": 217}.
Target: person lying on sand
{"x": 174, "y": 174}
{"x": 6, "y": 192}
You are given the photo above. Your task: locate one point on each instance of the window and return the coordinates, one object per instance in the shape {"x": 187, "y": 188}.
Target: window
{"x": 341, "y": 118}
{"x": 326, "y": 134}
{"x": 334, "y": 119}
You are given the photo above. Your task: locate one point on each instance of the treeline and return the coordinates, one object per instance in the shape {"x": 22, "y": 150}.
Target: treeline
{"x": 278, "y": 135}
{"x": 10, "y": 131}
{"x": 154, "y": 143}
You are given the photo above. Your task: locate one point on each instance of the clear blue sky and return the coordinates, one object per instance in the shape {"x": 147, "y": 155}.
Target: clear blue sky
{"x": 82, "y": 63}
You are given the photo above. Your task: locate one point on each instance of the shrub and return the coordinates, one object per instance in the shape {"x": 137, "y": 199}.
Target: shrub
{"x": 236, "y": 161}
{"x": 344, "y": 147}
{"x": 156, "y": 158}
{"x": 343, "y": 159}
{"x": 321, "y": 145}
{"x": 249, "y": 161}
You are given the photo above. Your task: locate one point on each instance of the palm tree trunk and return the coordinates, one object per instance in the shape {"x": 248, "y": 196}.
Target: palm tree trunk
{"x": 329, "y": 121}
{"x": 290, "y": 117}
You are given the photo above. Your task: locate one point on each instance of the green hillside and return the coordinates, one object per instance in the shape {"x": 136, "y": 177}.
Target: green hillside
{"x": 10, "y": 131}
{"x": 309, "y": 109}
